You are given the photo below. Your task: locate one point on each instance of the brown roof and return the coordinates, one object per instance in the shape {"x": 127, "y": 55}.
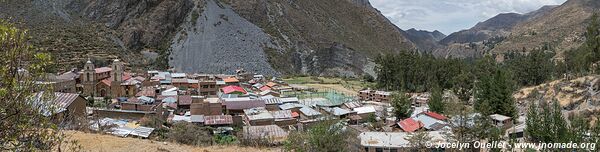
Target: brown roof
{"x": 146, "y": 91}
{"x": 231, "y": 80}
{"x": 247, "y": 104}
{"x": 185, "y": 100}
{"x": 218, "y": 120}
{"x": 271, "y": 84}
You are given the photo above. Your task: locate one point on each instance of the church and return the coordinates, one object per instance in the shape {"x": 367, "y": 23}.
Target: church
{"x": 110, "y": 81}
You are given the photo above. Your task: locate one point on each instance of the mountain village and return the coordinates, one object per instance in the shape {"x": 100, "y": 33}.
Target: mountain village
{"x": 262, "y": 107}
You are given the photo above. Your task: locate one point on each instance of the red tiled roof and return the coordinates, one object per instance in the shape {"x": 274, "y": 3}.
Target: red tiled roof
{"x": 185, "y": 100}
{"x": 231, "y": 89}
{"x": 218, "y": 120}
{"x": 106, "y": 82}
{"x": 295, "y": 114}
{"x": 435, "y": 115}
{"x": 265, "y": 88}
{"x": 410, "y": 125}
{"x": 126, "y": 76}
{"x": 103, "y": 69}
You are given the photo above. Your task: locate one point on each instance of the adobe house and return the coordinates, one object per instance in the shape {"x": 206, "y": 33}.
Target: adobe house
{"x": 62, "y": 105}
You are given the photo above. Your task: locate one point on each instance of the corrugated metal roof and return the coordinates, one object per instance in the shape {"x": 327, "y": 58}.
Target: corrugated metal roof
{"x": 428, "y": 121}
{"x": 259, "y": 113}
{"x": 142, "y": 132}
{"x": 367, "y": 109}
{"x": 337, "y": 111}
{"x": 290, "y": 100}
{"x": 273, "y": 101}
{"x": 197, "y": 118}
{"x": 309, "y": 111}
{"x": 271, "y": 132}
{"x": 282, "y": 114}
{"x": 353, "y": 104}
{"x": 58, "y": 103}
{"x": 288, "y": 106}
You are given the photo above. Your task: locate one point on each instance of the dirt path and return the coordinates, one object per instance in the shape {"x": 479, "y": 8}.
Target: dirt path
{"x": 109, "y": 143}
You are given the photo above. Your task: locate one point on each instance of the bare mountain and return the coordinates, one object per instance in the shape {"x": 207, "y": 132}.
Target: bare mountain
{"x": 562, "y": 28}
{"x": 425, "y": 40}
{"x": 477, "y": 40}
{"x": 334, "y": 37}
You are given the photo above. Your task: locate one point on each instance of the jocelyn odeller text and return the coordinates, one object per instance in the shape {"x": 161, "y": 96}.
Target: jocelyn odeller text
{"x": 506, "y": 145}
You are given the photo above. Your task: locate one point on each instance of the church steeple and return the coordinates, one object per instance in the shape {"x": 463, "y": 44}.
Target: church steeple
{"x": 88, "y": 78}
{"x": 117, "y": 71}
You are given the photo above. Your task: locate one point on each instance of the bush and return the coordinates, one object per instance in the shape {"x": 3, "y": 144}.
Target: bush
{"x": 190, "y": 134}
{"x": 224, "y": 139}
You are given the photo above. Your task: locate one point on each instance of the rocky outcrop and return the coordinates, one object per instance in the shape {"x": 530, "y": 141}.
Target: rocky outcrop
{"x": 143, "y": 23}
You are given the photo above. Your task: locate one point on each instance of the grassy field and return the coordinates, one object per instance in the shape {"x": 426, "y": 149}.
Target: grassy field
{"x": 346, "y": 86}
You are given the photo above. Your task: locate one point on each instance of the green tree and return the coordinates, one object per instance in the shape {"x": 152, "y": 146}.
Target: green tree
{"x": 402, "y": 105}
{"x": 327, "y": 135}
{"x": 592, "y": 36}
{"x": 546, "y": 124}
{"x": 494, "y": 94}
{"x": 462, "y": 85}
{"x": 23, "y": 127}
{"x": 436, "y": 103}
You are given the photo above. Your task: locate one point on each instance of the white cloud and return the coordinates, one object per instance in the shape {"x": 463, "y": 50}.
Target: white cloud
{"x": 450, "y": 16}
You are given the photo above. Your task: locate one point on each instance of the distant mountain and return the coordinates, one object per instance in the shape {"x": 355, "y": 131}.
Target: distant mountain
{"x": 332, "y": 37}
{"x": 497, "y": 26}
{"x": 484, "y": 35}
{"x": 561, "y": 28}
{"x": 425, "y": 40}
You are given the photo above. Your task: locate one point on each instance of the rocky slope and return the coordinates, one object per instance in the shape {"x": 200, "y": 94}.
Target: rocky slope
{"x": 578, "y": 96}
{"x": 561, "y": 28}
{"x": 335, "y": 37}
{"x": 425, "y": 40}
{"x": 483, "y": 37}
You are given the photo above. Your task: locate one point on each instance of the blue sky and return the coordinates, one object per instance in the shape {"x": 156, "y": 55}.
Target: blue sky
{"x": 450, "y": 16}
